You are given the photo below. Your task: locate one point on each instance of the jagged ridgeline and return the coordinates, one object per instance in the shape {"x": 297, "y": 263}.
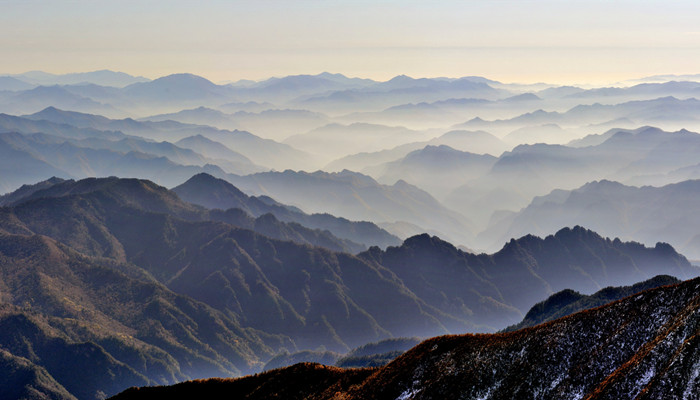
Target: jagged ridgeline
{"x": 127, "y": 284}
{"x": 646, "y": 346}
{"x": 569, "y": 301}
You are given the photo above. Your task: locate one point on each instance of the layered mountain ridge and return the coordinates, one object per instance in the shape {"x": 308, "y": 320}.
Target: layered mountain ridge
{"x": 313, "y": 214}
{"x": 201, "y": 297}
{"x": 642, "y": 347}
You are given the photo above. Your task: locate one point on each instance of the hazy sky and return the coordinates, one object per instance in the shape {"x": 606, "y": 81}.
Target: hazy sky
{"x": 538, "y": 40}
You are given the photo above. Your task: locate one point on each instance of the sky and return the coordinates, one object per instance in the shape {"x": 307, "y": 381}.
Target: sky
{"x": 564, "y": 41}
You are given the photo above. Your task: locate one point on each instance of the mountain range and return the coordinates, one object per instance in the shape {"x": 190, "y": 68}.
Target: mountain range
{"x": 644, "y": 346}
{"x": 147, "y": 276}
{"x": 645, "y": 155}
{"x": 608, "y": 207}
{"x": 344, "y": 220}
{"x": 214, "y": 193}
{"x": 358, "y": 197}
{"x": 253, "y": 147}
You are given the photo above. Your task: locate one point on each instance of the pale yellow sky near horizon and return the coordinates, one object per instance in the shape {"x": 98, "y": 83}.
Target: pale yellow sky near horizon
{"x": 573, "y": 41}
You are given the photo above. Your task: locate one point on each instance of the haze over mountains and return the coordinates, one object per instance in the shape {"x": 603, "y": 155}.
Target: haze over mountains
{"x": 183, "y": 283}
{"x": 154, "y": 231}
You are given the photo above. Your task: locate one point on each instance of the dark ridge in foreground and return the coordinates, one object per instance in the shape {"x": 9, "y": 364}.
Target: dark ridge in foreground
{"x": 567, "y": 302}
{"x": 646, "y": 346}
{"x": 296, "y": 382}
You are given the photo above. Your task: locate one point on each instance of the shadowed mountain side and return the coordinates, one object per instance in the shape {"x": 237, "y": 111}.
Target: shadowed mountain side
{"x": 98, "y": 325}
{"x": 162, "y": 201}
{"x": 22, "y": 379}
{"x": 369, "y": 355}
{"x": 642, "y": 347}
{"x": 313, "y": 295}
{"x": 298, "y": 382}
{"x": 349, "y": 360}
{"x": 27, "y": 190}
{"x": 525, "y": 270}
{"x": 211, "y": 192}
{"x": 318, "y": 296}
{"x": 262, "y": 295}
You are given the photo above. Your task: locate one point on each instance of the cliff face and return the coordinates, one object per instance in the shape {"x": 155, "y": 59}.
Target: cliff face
{"x": 646, "y": 346}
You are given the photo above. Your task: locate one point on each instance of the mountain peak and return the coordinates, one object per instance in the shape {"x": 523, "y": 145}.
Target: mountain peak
{"x": 211, "y": 192}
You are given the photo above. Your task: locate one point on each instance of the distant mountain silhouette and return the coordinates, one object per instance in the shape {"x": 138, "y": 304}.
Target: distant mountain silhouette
{"x": 478, "y": 142}
{"x": 14, "y": 84}
{"x": 211, "y": 192}
{"x": 270, "y": 123}
{"x": 639, "y": 347}
{"x": 102, "y": 78}
{"x": 400, "y": 90}
{"x": 610, "y": 208}
{"x": 420, "y": 168}
{"x": 257, "y": 149}
{"x": 228, "y": 159}
{"x": 358, "y": 197}
{"x": 445, "y": 112}
{"x": 642, "y": 156}
{"x": 40, "y": 97}
{"x": 335, "y": 140}
{"x": 38, "y": 156}
{"x": 199, "y": 116}
{"x": 547, "y": 133}
{"x": 25, "y": 165}
{"x": 187, "y": 88}
{"x": 654, "y": 89}
{"x": 295, "y": 86}
{"x": 651, "y": 111}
